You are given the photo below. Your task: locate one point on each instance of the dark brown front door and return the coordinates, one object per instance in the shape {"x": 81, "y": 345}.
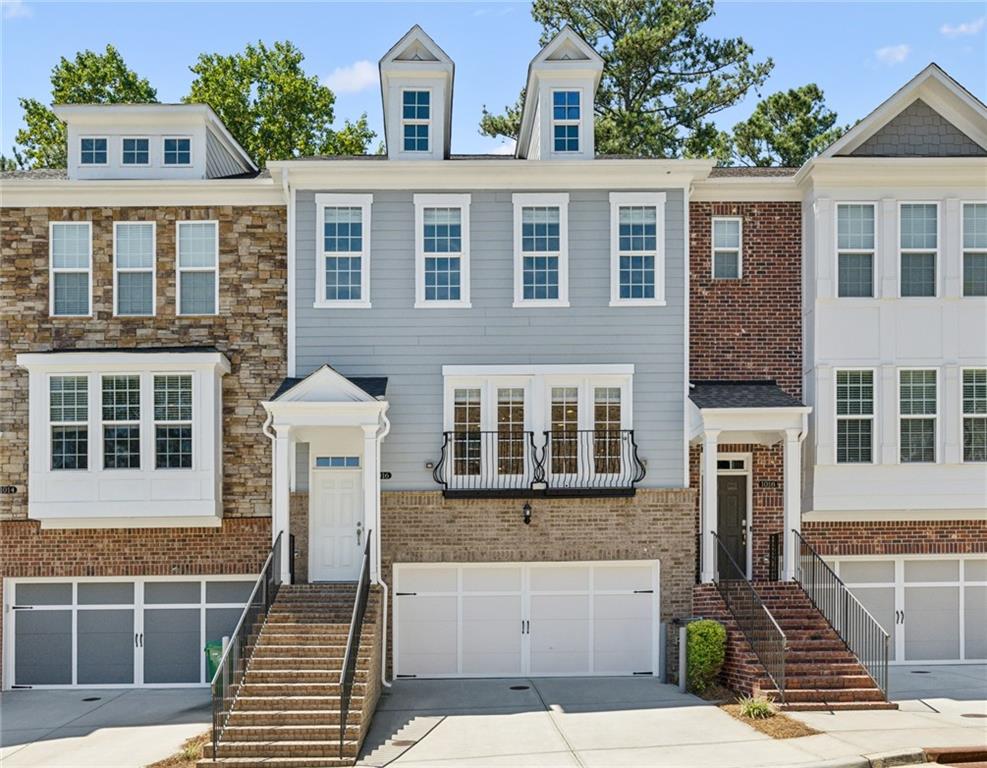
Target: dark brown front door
{"x": 731, "y": 524}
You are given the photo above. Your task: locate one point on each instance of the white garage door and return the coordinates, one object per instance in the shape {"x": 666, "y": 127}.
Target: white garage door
{"x": 501, "y": 620}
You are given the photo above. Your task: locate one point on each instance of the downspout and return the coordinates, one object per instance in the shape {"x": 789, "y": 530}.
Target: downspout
{"x": 384, "y": 431}
{"x": 266, "y": 429}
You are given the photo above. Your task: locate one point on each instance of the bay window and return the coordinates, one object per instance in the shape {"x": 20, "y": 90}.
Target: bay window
{"x": 68, "y": 409}
{"x": 121, "y": 409}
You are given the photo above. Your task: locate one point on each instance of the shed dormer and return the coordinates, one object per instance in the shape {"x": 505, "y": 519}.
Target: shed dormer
{"x": 416, "y": 85}
{"x": 150, "y": 141}
{"x": 557, "y": 119}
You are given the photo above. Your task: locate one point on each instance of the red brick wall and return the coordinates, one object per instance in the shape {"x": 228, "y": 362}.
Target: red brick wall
{"x": 741, "y": 671}
{"x": 750, "y": 328}
{"x": 896, "y": 537}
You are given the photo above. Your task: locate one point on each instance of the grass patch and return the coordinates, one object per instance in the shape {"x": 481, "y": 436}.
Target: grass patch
{"x": 188, "y": 755}
{"x": 768, "y": 720}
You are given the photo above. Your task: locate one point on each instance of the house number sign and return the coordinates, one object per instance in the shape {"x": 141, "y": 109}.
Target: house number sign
{"x": 7, "y": 490}
{"x": 768, "y": 484}
{"x": 385, "y": 475}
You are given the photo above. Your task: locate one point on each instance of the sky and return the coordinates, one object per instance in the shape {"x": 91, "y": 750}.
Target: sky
{"x": 859, "y": 53}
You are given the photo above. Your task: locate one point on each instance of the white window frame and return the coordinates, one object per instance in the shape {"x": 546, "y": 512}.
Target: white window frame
{"x": 87, "y": 423}
{"x": 124, "y": 164}
{"x": 558, "y": 200}
{"x": 180, "y": 269}
{"x": 164, "y": 160}
{"x": 874, "y": 422}
{"x": 655, "y": 200}
{"x": 934, "y": 417}
{"x": 902, "y": 251}
{"x": 53, "y": 270}
{"x": 442, "y": 201}
{"x": 838, "y": 251}
{"x": 364, "y": 203}
{"x": 134, "y": 270}
{"x": 154, "y": 422}
{"x": 578, "y": 123}
{"x": 964, "y": 250}
{"x": 739, "y": 249}
{"x": 416, "y": 120}
{"x": 139, "y": 422}
{"x": 963, "y": 413}
{"x": 105, "y": 163}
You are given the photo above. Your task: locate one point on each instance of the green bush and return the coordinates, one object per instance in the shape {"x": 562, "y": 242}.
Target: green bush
{"x": 706, "y": 642}
{"x": 756, "y": 707}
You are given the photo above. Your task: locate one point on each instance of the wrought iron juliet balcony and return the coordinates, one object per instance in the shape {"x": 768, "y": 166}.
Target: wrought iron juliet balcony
{"x": 566, "y": 463}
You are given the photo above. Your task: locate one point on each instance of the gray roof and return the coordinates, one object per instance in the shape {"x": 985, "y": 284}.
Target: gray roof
{"x": 130, "y": 350}
{"x": 375, "y": 386}
{"x": 741, "y": 394}
{"x": 728, "y": 172}
{"x": 60, "y": 174}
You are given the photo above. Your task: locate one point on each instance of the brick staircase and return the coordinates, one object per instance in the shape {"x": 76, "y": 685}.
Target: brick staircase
{"x": 820, "y": 672}
{"x": 287, "y": 711}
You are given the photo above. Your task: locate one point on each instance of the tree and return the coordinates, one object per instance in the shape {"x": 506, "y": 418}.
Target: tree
{"x": 786, "y": 128}
{"x": 271, "y": 107}
{"x": 662, "y": 77}
{"x": 91, "y": 78}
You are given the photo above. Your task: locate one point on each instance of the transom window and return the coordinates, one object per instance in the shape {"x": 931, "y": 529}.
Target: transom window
{"x": 121, "y": 422}
{"x": 566, "y": 115}
{"x": 975, "y": 414}
{"x": 71, "y": 268}
{"x": 855, "y": 249}
{"x": 173, "y": 422}
{"x": 198, "y": 261}
{"x": 975, "y": 249}
{"x": 337, "y": 462}
{"x": 727, "y": 248}
{"x": 854, "y": 417}
{"x": 135, "y": 152}
{"x": 919, "y": 248}
{"x": 416, "y": 114}
{"x": 177, "y": 151}
{"x": 541, "y": 249}
{"x": 917, "y": 421}
{"x": 133, "y": 265}
{"x": 637, "y": 250}
{"x": 344, "y": 269}
{"x": 68, "y": 402}
{"x": 92, "y": 151}
{"x": 442, "y": 243}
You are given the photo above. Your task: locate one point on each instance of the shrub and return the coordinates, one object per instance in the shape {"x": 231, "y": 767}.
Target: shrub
{"x": 756, "y": 707}
{"x": 706, "y": 642}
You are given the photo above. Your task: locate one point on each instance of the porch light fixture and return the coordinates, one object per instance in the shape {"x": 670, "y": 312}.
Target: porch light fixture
{"x": 526, "y": 509}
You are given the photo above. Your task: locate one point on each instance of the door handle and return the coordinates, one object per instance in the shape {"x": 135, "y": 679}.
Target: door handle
{"x": 359, "y": 534}
{"x": 135, "y": 640}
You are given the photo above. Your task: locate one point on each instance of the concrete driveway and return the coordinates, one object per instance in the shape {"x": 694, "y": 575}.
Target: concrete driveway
{"x": 114, "y": 729}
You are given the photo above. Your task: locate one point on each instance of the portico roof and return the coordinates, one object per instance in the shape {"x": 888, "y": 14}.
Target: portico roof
{"x": 741, "y": 394}
{"x": 759, "y": 412}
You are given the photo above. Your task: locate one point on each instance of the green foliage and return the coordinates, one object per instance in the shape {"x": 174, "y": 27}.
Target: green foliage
{"x": 507, "y": 124}
{"x": 706, "y": 642}
{"x": 271, "y": 106}
{"x": 756, "y": 707}
{"x": 14, "y": 163}
{"x": 91, "y": 78}
{"x": 786, "y": 128}
{"x": 663, "y": 78}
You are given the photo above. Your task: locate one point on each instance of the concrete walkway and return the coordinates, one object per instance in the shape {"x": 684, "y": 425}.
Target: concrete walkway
{"x": 117, "y": 729}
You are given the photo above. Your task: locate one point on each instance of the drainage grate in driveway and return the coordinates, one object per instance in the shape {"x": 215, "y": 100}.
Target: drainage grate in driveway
{"x": 520, "y": 687}
{"x": 973, "y": 714}
{"x": 93, "y": 698}
{"x": 404, "y": 742}
{"x": 921, "y": 672}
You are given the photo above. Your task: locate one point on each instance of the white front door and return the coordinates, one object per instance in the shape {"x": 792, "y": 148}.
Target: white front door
{"x": 335, "y": 534}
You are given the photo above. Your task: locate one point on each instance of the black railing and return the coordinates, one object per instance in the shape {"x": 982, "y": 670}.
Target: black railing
{"x": 502, "y": 461}
{"x": 858, "y": 629}
{"x": 699, "y": 558}
{"x": 348, "y": 672}
{"x": 233, "y": 665}
{"x": 774, "y": 556}
{"x": 591, "y": 460}
{"x": 752, "y": 616}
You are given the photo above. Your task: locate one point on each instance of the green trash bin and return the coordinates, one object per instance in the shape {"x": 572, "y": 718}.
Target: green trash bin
{"x": 214, "y": 654}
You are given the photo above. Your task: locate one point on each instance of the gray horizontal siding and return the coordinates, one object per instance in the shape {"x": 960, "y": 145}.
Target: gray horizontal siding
{"x": 410, "y": 346}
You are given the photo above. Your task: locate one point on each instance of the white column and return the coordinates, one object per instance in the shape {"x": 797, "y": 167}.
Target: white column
{"x": 709, "y": 508}
{"x": 371, "y": 488}
{"x": 281, "y": 496}
{"x": 793, "y": 506}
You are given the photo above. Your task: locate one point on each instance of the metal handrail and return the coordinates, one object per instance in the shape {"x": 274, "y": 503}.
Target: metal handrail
{"x": 774, "y": 556}
{"x": 764, "y": 634}
{"x": 348, "y": 672}
{"x": 591, "y": 459}
{"x": 485, "y": 460}
{"x": 862, "y": 634}
{"x": 225, "y": 684}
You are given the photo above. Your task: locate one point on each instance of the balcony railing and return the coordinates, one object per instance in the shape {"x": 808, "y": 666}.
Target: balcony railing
{"x": 568, "y": 462}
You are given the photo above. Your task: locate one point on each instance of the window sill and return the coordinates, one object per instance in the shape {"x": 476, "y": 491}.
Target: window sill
{"x": 341, "y": 305}
{"x": 443, "y": 305}
{"x": 196, "y": 315}
{"x": 68, "y": 317}
{"x": 539, "y": 303}
{"x": 638, "y": 303}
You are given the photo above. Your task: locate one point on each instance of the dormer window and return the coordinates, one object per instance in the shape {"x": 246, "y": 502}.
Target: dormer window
{"x": 416, "y": 117}
{"x": 565, "y": 121}
{"x": 135, "y": 152}
{"x": 177, "y": 151}
{"x": 92, "y": 151}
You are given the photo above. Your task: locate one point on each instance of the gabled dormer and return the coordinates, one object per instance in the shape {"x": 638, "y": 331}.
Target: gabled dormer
{"x": 557, "y": 119}
{"x": 150, "y": 141}
{"x": 416, "y": 79}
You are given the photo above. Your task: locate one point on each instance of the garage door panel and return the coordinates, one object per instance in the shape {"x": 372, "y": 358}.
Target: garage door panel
{"x": 932, "y": 623}
{"x": 428, "y": 635}
{"x": 105, "y": 647}
{"x": 867, "y": 571}
{"x": 559, "y": 607}
{"x": 975, "y": 570}
{"x": 975, "y": 622}
{"x": 424, "y": 580}
{"x": 621, "y": 577}
{"x": 932, "y": 570}
{"x": 491, "y": 635}
{"x": 492, "y": 579}
{"x": 42, "y": 647}
{"x": 43, "y": 594}
{"x": 879, "y": 602}
{"x": 559, "y": 578}
{"x": 172, "y": 652}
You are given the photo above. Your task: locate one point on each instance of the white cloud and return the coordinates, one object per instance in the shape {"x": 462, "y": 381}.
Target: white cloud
{"x": 15, "y": 9}
{"x": 358, "y": 76}
{"x": 964, "y": 29}
{"x": 893, "y": 54}
{"x": 506, "y": 147}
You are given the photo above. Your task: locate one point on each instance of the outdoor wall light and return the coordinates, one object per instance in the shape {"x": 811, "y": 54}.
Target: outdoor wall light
{"x": 526, "y": 509}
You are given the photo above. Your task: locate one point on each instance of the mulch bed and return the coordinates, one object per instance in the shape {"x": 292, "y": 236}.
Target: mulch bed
{"x": 778, "y": 726}
{"x": 188, "y": 755}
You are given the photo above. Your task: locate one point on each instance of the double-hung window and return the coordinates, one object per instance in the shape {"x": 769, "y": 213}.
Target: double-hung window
{"x": 198, "y": 262}
{"x": 416, "y": 120}
{"x": 121, "y": 407}
{"x": 177, "y": 150}
{"x": 133, "y": 267}
{"x": 975, "y": 249}
{"x": 68, "y": 411}
{"x": 135, "y": 151}
{"x": 855, "y": 248}
{"x": 92, "y": 150}
{"x": 917, "y": 408}
{"x": 918, "y": 241}
{"x": 727, "y": 239}
{"x": 541, "y": 250}
{"x": 343, "y": 271}
{"x": 173, "y": 421}
{"x": 975, "y": 414}
{"x": 566, "y": 118}
{"x": 637, "y": 249}
{"x": 442, "y": 266}
{"x": 71, "y": 263}
{"x": 854, "y": 417}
